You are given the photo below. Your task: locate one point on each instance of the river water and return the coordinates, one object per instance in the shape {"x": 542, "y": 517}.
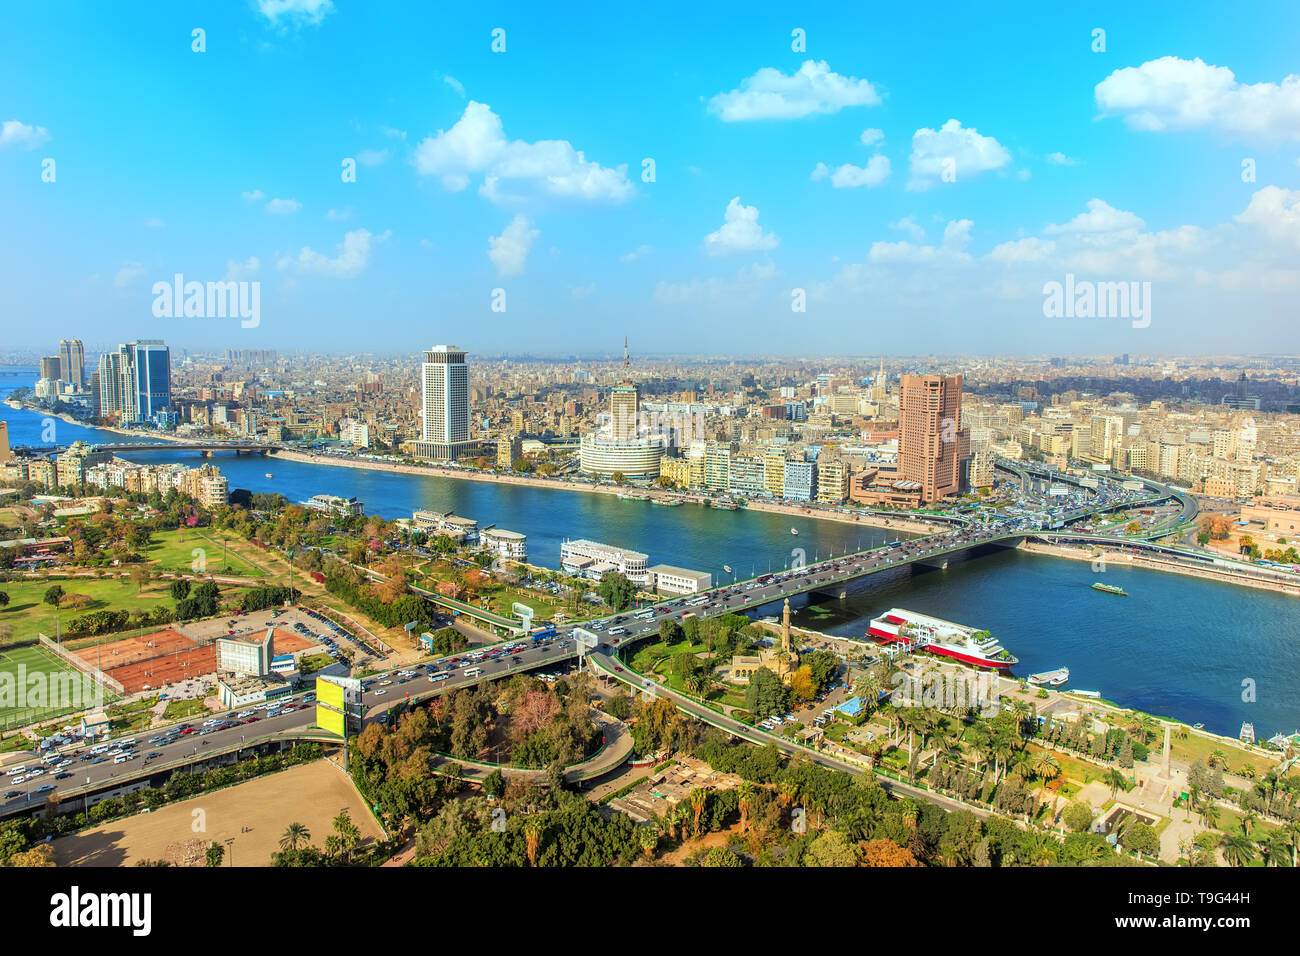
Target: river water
{"x": 1178, "y": 646}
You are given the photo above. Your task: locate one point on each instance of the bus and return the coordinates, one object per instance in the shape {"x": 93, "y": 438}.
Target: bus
{"x": 544, "y": 633}
{"x": 473, "y": 671}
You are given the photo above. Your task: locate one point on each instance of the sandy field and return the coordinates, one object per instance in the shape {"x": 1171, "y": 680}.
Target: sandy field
{"x": 312, "y": 794}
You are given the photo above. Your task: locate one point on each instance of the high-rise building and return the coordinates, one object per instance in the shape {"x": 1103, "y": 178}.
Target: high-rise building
{"x": 50, "y": 367}
{"x": 72, "y": 362}
{"x": 111, "y": 399}
{"x": 624, "y": 404}
{"x": 147, "y": 379}
{"x": 444, "y": 385}
{"x": 931, "y": 441}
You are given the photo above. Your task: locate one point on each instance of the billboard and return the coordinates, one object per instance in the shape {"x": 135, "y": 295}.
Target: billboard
{"x": 338, "y": 704}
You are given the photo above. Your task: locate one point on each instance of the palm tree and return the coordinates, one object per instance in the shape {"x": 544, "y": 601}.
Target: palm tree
{"x": 1046, "y": 766}
{"x": 745, "y": 794}
{"x": 295, "y": 835}
{"x": 1115, "y": 780}
{"x": 1209, "y": 811}
{"x": 533, "y": 840}
{"x": 698, "y": 797}
{"x": 1238, "y": 850}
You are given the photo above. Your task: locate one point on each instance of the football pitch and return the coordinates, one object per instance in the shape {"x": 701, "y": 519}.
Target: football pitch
{"x": 51, "y": 688}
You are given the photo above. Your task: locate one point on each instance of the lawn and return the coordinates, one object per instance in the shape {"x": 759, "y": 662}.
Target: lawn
{"x": 28, "y": 614}
{"x": 60, "y": 693}
{"x": 180, "y": 709}
{"x": 174, "y": 551}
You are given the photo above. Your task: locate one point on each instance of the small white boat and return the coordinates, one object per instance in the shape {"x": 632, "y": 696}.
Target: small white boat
{"x": 794, "y": 530}
{"x": 1053, "y": 678}
{"x": 727, "y": 568}
{"x": 269, "y": 475}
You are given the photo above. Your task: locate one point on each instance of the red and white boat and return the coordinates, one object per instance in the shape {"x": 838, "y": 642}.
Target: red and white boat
{"x": 944, "y": 638}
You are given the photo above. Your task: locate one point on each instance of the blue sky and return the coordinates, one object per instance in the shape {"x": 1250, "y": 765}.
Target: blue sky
{"x": 775, "y": 170}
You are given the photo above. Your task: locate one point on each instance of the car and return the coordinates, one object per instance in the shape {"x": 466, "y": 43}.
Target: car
{"x": 13, "y": 793}
{"x": 618, "y": 670}
{"x": 45, "y": 788}
{"x": 379, "y": 693}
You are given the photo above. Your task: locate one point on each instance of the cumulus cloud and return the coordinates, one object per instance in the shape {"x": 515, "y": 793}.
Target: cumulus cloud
{"x": 1275, "y": 212}
{"x": 21, "y": 136}
{"x": 640, "y": 252}
{"x": 1101, "y": 218}
{"x": 283, "y": 207}
{"x": 740, "y": 232}
{"x": 1060, "y": 159}
{"x": 870, "y": 137}
{"x": 353, "y": 255}
{"x": 509, "y": 251}
{"x": 1031, "y": 249}
{"x": 909, "y": 226}
{"x": 952, "y": 146}
{"x": 128, "y": 273}
{"x": 849, "y": 176}
{"x": 810, "y": 90}
{"x": 956, "y": 236}
{"x": 1175, "y": 94}
{"x": 339, "y": 215}
{"x": 477, "y": 144}
{"x": 253, "y": 195}
{"x": 294, "y": 12}
{"x": 236, "y": 271}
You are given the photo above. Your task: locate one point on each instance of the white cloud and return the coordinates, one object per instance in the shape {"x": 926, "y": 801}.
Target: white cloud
{"x": 743, "y": 289}
{"x": 1060, "y": 159}
{"x": 1275, "y": 212}
{"x": 373, "y": 157}
{"x": 394, "y": 133}
{"x": 953, "y": 146}
{"x": 1101, "y": 218}
{"x": 283, "y": 207}
{"x": 849, "y": 176}
{"x": 253, "y": 195}
{"x": 812, "y": 89}
{"x": 639, "y": 252}
{"x": 294, "y": 11}
{"x": 21, "y": 136}
{"x": 128, "y": 273}
{"x": 353, "y": 256}
{"x": 956, "y": 236}
{"x": 1031, "y": 249}
{"x": 907, "y": 225}
{"x": 237, "y": 271}
{"x": 740, "y": 232}
{"x": 1172, "y": 94}
{"x": 477, "y": 144}
{"x": 509, "y": 251}
{"x": 455, "y": 84}
{"x": 339, "y": 215}
{"x": 870, "y": 137}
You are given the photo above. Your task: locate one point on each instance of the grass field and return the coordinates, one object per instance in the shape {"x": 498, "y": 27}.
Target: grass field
{"x": 37, "y": 660}
{"x": 28, "y": 614}
{"x": 174, "y": 551}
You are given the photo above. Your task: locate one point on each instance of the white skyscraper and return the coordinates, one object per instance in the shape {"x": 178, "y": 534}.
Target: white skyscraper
{"x": 444, "y": 384}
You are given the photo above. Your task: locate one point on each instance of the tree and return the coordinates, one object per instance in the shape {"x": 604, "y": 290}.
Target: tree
{"x": 4, "y": 599}
{"x": 214, "y": 854}
{"x": 180, "y": 589}
{"x": 295, "y": 836}
{"x": 616, "y": 590}
{"x": 54, "y": 594}
{"x": 766, "y": 695}
{"x": 1077, "y": 816}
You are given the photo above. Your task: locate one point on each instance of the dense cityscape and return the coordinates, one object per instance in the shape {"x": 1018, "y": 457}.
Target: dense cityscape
{"x": 669, "y": 472}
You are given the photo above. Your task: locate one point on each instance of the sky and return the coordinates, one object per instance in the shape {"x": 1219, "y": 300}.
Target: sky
{"x": 731, "y": 179}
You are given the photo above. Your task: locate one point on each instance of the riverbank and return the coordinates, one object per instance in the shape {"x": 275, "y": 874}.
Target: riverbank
{"x": 909, "y": 526}
{"x": 65, "y": 417}
{"x": 1226, "y": 575}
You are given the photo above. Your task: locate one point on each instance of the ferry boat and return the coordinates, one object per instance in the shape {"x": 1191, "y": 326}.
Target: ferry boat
{"x": 269, "y": 475}
{"x": 727, "y": 568}
{"x": 629, "y": 496}
{"x": 944, "y": 638}
{"x": 1247, "y": 732}
{"x": 1109, "y": 589}
{"x": 666, "y": 502}
{"x": 1054, "y": 678}
{"x": 723, "y": 505}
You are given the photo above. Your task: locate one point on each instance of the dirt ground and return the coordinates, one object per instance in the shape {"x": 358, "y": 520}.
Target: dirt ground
{"x": 255, "y": 814}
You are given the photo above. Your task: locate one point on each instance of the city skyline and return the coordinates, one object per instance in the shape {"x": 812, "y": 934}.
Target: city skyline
{"x": 801, "y": 159}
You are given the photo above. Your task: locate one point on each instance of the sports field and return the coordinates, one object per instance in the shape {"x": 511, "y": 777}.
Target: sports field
{"x": 60, "y": 691}
{"x": 174, "y": 551}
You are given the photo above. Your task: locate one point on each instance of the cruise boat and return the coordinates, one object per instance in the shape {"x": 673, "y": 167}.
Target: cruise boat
{"x": 944, "y": 638}
{"x": 666, "y": 502}
{"x": 722, "y": 505}
{"x": 1110, "y": 589}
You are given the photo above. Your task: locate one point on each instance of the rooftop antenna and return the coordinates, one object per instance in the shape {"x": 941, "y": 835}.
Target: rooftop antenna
{"x": 627, "y": 362}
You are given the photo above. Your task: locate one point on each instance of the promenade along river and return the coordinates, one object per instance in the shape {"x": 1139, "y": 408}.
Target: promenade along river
{"x": 1177, "y": 646}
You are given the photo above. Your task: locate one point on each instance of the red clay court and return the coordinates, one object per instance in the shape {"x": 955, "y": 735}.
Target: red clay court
{"x": 151, "y": 661}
